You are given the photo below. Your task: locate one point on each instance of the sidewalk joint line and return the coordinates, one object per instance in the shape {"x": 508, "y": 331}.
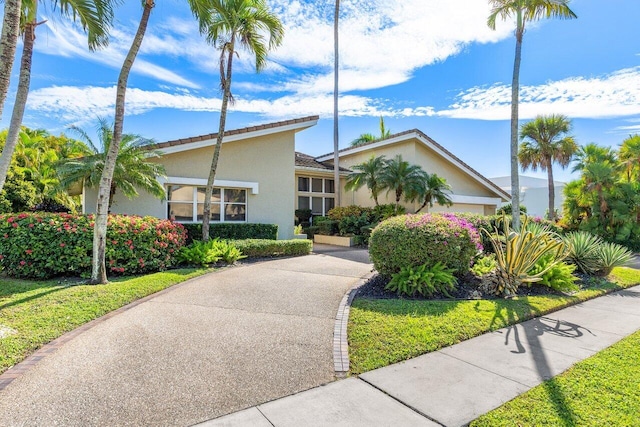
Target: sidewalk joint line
{"x": 417, "y": 411}
{"x": 265, "y": 417}
{"x": 485, "y": 369}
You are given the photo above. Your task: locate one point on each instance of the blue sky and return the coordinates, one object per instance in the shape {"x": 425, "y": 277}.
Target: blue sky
{"x": 427, "y": 64}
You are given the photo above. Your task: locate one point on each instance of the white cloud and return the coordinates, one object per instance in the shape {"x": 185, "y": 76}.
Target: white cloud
{"x": 611, "y": 95}
{"x": 74, "y": 104}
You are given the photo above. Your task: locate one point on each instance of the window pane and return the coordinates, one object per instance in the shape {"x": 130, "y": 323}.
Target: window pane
{"x": 316, "y": 185}
{"x": 235, "y": 196}
{"x": 215, "y": 212}
{"x": 303, "y": 203}
{"x": 182, "y": 193}
{"x": 181, "y": 211}
{"x": 329, "y": 203}
{"x": 303, "y": 184}
{"x": 328, "y": 186}
{"x": 233, "y": 212}
{"x": 215, "y": 196}
{"x": 316, "y": 205}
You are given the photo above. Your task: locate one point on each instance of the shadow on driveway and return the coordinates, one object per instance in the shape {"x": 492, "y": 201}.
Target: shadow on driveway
{"x": 360, "y": 255}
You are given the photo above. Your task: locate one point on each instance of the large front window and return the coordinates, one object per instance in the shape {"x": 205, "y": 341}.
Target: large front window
{"x": 316, "y": 194}
{"x": 185, "y": 203}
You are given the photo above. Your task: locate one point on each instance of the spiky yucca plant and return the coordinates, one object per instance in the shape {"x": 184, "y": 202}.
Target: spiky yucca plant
{"x": 519, "y": 253}
{"x": 611, "y": 255}
{"x": 583, "y": 250}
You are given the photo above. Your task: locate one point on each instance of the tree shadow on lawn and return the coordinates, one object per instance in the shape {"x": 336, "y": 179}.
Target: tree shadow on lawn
{"x": 10, "y": 289}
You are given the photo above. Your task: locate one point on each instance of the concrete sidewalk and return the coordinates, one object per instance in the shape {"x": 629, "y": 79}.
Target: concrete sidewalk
{"x": 454, "y": 386}
{"x": 214, "y": 345}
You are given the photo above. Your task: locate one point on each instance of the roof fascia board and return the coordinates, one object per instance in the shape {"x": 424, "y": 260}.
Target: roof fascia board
{"x": 318, "y": 170}
{"x": 202, "y": 182}
{"x": 367, "y": 147}
{"x": 238, "y": 137}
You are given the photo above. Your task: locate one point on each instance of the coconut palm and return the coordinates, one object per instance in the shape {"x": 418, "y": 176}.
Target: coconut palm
{"x": 369, "y": 137}
{"x": 545, "y": 141}
{"x": 523, "y": 11}
{"x": 432, "y": 189}
{"x": 98, "y": 267}
{"x": 233, "y": 24}
{"x": 336, "y": 136}
{"x": 95, "y": 16}
{"x": 8, "y": 43}
{"x": 403, "y": 178}
{"x": 133, "y": 170}
{"x": 367, "y": 173}
{"x": 629, "y": 156}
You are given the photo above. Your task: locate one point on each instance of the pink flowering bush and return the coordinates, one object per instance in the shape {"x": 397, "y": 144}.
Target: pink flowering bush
{"x": 44, "y": 245}
{"x": 414, "y": 240}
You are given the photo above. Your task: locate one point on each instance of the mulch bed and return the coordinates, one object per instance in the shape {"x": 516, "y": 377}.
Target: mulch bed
{"x": 466, "y": 289}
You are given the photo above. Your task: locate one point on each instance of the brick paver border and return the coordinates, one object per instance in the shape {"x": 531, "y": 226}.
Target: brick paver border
{"x": 340, "y": 342}
{"x": 21, "y": 368}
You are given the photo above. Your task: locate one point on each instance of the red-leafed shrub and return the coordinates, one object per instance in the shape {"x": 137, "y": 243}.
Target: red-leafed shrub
{"x": 43, "y": 245}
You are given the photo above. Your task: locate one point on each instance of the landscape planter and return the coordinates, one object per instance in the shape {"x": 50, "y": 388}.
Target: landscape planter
{"x": 299, "y": 236}
{"x": 334, "y": 240}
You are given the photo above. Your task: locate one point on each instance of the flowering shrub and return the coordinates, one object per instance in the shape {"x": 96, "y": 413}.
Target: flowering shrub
{"x": 414, "y": 240}
{"x": 43, "y": 245}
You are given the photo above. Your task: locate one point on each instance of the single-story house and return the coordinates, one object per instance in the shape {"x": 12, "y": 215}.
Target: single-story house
{"x": 262, "y": 179}
{"x": 534, "y": 193}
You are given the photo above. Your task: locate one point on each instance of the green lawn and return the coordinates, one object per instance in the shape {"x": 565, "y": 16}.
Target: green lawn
{"x": 42, "y": 311}
{"x": 382, "y": 332}
{"x": 603, "y": 390}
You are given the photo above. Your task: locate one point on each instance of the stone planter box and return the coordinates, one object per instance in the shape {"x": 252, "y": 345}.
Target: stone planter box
{"x": 299, "y": 236}
{"x": 333, "y": 240}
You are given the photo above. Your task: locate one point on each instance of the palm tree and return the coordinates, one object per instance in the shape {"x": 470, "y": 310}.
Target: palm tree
{"x": 524, "y": 11}
{"x": 8, "y": 43}
{"x": 433, "y": 189}
{"x": 629, "y": 155}
{"x": 402, "y": 178}
{"x": 336, "y": 115}
{"x": 545, "y": 141}
{"x": 98, "y": 267}
{"x": 133, "y": 169}
{"x": 369, "y": 137}
{"x": 242, "y": 22}
{"x": 367, "y": 173}
{"x": 95, "y": 16}
{"x": 599, "y": 178}
{"x": 593, "y": 153}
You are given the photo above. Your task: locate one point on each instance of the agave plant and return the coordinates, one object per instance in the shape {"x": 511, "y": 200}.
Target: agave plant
{"x": 611, "y": 255}
{"x": 583, "y": 250}
{"x": 518, "y": 254}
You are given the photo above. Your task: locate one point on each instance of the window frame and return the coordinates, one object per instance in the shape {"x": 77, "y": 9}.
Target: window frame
{"x": 194, "y": 204}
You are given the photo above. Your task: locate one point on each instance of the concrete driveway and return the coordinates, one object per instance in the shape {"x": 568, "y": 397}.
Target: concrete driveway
{"x": 220, "y": 343}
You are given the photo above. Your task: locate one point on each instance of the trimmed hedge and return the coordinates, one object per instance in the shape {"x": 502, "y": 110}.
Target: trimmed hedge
{"x": 414, "y": 240}
{"x": 44, "y": 245}
{"x": 233, "y": 231}
{"x": 256, "y": 248}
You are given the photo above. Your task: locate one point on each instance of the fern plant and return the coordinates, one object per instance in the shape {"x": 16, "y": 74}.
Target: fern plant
{"x": 484, "y": 265}
{"x": 559, "y": 277}
{"x": 519, "y": 253}
{"x": 212, "y": 251}
{"x": 423, "y": 280}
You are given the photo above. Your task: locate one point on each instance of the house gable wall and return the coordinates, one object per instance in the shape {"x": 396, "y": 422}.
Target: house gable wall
{"x": 267, "y": 160}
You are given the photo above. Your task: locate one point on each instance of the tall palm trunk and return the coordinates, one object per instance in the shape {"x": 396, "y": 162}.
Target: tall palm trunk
{"x": 226, "y": 76}
{"x": 98, "y": 267}
{"x": 8, "y": 43}
{"x": 552, "y": 192}
{"x": 21, "y": 98}
{"x": 336, "y": 63}
{"x": 515, "y": 92}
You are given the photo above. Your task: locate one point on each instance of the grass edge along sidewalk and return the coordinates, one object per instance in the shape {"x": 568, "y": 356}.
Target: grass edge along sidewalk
{"x": 34, "y": 313}
{"x": 600, "y": 390}
{"x": 383, "y": 332}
